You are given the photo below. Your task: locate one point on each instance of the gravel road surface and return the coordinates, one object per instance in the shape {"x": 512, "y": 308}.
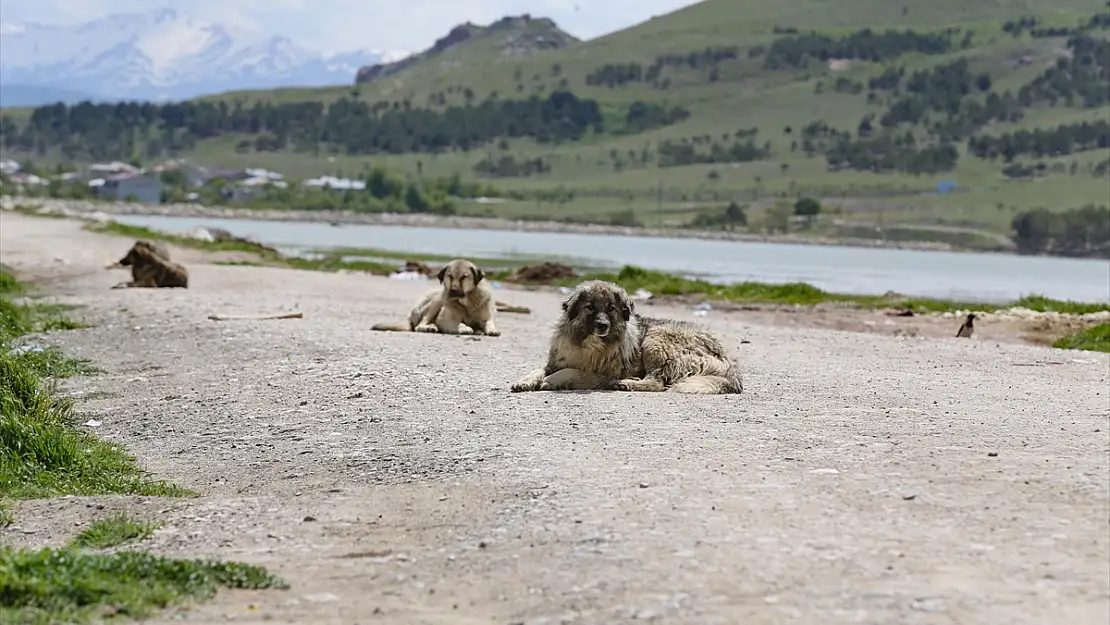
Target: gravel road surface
{"x": 392, "y": 478}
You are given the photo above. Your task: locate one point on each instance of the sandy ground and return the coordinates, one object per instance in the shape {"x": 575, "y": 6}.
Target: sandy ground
{"x": 392, "y": 478}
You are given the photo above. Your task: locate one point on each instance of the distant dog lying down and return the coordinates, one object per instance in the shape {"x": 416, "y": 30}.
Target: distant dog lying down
{"x": 463, "y": 304}
{"x": 600, "y": 343}
{"x": 151, "y": 268}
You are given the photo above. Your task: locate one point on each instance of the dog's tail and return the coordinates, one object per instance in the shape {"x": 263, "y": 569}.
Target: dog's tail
{"x": 392, "y": 326}
{"x": 708, "y": 385}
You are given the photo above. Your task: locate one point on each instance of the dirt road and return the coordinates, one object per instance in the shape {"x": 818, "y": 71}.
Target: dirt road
{"x": 392, "y": 478}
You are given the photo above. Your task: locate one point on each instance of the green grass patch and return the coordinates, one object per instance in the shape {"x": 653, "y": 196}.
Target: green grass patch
{"x": 112, "y": 532}
{"x": 65, "y": 585}
{"x": 17, "y": 320}
{"x": 801, "y": 294}
{"x": 395, "y": 255}
{"x": 140, "y": 232}
{"x": 331, "y": 262}
{"x": 1096, "y": 339}
{"x": 43, "y": 452}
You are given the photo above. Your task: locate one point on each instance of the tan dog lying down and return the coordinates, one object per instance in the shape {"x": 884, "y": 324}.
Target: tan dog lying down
{"x": 463, "y": 304}
{"x": 151, "y": 268}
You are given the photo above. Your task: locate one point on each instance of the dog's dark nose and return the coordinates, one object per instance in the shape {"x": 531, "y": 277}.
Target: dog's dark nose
{"x": 455, "y": 293}
{"x": 601, "y": 324}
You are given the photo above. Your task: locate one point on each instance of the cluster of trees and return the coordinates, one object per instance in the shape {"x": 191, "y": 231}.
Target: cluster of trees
{"x": 619, "y": 74}
{"x": 103, "y": 131}
{"x": 644, "y": 116}
{"x": 945, "y": 101}
{"x": 1077, "y": 232}
{"x": 889, "y": 153}
{"x": 863, "y": 45}
{"x": 1098, "y": 21}
{"x": 889, "y": 80}
{"x": 1080, "y": 78}
{"x": 775, "y": 218}
{"x": 1058, "y": 141}
{"x": 731, "y": 217}
{"x": 938, "y": 97}
{"x": 1020, "y": 25}
{"x": 685, "y": 152}
{"x": 509, "y": 167}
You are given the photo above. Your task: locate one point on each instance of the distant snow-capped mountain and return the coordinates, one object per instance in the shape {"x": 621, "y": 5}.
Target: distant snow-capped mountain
{"x": 163, "y": 55}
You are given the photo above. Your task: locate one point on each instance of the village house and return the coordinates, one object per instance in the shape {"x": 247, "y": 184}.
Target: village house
{"x": 244, "y": 185}
{"x": 129, "y": 186}
{"x": 115, "y": 167}
{"x": 193, "y": 175}
{"x": 9, "y": 167}
{"x": 335, "y": 184}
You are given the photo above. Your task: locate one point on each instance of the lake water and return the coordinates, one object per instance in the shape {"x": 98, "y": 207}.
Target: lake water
{"x": 979, "y": 277}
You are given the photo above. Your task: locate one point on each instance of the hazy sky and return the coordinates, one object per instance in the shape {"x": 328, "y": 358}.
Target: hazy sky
{"x": 338, "y": 25}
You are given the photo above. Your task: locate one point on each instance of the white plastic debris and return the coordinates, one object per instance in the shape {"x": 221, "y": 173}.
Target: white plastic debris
{"x": 413, "y": 276}
{"x": 564, "y": 290}
{"x": 93, "y": 423}
{"x": 642, "y": 294}
{"x": 26, "y": 349}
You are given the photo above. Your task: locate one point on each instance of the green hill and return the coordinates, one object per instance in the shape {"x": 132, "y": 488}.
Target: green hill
{"x": 866, "y": 104}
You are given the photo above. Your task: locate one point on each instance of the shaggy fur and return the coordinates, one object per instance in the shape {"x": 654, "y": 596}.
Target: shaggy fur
{"x": 463, "y": 304}
{"x": 600, "y": 342}
{"x": 968, "y": 327}
{"x": 153, "y": 246}
{"x": 152, "y": 268}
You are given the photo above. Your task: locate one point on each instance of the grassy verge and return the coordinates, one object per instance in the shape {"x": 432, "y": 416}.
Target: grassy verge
{"x": 139, "y": 232}
{"x": 1096, "y": 339}
{"x": 266, "y": 257}
{"x": 112, "y": 532}
{"x": 632, "y": 278}
{"x": 803, "y": 294}
{"x": 43, "y": 453}
{"x": 66, "y": 585}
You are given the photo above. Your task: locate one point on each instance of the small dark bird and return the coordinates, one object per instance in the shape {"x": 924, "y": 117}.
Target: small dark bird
{"x": 967, "y": 328}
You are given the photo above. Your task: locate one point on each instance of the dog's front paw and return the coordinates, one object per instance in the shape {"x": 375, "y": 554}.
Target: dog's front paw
{"x": 426, "y": 327}
{"x": 525, "y": 385}
{"x": 530, "y": 382}
{"x": 493, "y": 332}
{"x": 618, "y": 385}
{"x": 465, "y": 329}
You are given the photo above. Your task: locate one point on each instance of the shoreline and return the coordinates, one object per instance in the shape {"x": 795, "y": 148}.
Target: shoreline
{"x": 77, "y": 208}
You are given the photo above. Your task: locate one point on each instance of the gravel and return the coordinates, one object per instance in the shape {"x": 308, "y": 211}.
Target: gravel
{"x": 392, "y": 478}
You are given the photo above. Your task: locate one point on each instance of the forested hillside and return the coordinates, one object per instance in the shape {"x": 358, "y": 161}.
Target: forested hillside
{"x": 857, "y": 102}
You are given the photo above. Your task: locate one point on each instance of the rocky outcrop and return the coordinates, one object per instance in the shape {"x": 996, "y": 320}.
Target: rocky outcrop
{"x": 514, "y": 36}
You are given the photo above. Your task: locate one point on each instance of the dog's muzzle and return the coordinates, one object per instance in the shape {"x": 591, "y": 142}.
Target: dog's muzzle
{"x": 455, "y": 294}
{"x": 602, "y": 325}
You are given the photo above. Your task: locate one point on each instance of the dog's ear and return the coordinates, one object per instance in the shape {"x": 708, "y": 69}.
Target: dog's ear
{"x": 572, "y": 304}
{"x": 626, "y": 306}
{"x": 442, "y": 273}
{"x": 478, "y": 274}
